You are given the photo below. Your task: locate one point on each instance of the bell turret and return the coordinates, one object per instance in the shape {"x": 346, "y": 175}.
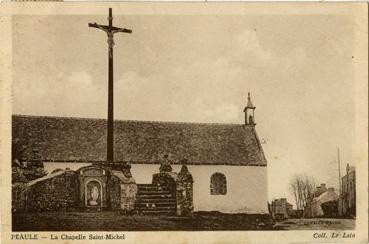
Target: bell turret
{"x": 249, "y": 112}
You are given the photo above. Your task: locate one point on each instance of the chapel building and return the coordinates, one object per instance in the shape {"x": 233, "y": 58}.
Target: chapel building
{"x": 227, "y": 162}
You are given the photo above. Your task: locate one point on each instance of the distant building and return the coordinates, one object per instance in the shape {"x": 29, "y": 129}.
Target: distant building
{"x": 281, "y": 209}
{"x": 326, "y": 204}
{"x": 323, "y": 202}
{"x": 348, "y": 195}
{"x": 320, "y": 190}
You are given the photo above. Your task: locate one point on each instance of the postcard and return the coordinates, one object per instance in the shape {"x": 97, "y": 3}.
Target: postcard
{"x": 184, "y": 122}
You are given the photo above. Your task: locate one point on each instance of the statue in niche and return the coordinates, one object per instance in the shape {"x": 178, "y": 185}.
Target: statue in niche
{"x": 93, "y": 194}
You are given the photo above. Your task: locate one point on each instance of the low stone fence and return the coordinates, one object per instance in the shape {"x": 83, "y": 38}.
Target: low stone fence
{"x": 54, "y": 192}
{"x": 123, "y": 191}
{"x": 62, "y": 191}
{"x": 67, "y": 190}
{"x": 19, "y": 197}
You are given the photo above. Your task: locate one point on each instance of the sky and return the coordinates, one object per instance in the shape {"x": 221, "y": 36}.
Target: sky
{"x": 199, "y": 68}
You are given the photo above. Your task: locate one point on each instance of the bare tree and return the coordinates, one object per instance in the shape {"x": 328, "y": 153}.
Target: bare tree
{"x": 302, "y": 187}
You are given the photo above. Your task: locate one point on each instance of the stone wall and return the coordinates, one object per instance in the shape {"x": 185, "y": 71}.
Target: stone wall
{"x": 123, "y": 191}
{"x": 128, "y": 196}
{"x": 114, "y": 191}
{"x": 181, "y": 184}
{"x": 55, "y": 192}
{"x": 184, "y": 192}
{"x": 63, "y": 190}
{"x": 122, "y": 194}
{"x": 19, "y": 197}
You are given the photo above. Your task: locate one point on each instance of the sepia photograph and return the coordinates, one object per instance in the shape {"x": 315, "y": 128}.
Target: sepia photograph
{"x": 196, "y": 121}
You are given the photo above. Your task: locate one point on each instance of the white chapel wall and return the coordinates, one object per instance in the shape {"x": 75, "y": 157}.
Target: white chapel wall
{"x": 50, "y": 166}
{"x": 246, "y": 189}
{"x": 246, "y": 185}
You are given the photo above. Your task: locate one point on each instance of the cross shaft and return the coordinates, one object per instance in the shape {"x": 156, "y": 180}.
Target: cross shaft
{"x": 110, "y": 31}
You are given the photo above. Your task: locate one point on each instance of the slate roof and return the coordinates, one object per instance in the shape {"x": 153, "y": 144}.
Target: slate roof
{"x": 326, "y": 197}
{"x": 63, "y": 139}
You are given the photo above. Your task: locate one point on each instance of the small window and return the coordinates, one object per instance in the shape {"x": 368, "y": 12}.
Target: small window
{"x": 251, "y": 120}
{"x": 218, "y": 184}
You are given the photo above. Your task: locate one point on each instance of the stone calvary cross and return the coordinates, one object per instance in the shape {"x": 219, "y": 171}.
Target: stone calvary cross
{"x": 110, "y": 31}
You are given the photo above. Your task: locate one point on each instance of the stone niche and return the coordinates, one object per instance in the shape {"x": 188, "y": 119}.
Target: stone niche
{"x": 102, "y": 188}
{"x": 93, "y": 192}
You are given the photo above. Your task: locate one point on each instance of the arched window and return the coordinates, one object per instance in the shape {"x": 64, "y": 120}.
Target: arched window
{"x": 251, "y": 120}
{"x": 218, "y": 184}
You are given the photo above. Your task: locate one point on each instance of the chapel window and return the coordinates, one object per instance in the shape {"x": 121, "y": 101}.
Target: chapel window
{"x": 218, "y": 184}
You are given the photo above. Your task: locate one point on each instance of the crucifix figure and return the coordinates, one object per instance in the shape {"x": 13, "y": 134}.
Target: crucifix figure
{"x": 110, "y": 31}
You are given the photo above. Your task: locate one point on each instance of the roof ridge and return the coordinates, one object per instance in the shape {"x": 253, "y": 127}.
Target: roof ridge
{"x": 179, "y": 122}
{"x": 128, "y": 120}
{"x": 54, "y": 117}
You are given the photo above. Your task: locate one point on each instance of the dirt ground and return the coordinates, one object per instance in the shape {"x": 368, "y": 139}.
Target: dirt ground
{"x": 201, "y": 221}
{"x": 113, "y": 221}
{"x": 316, "y": 224}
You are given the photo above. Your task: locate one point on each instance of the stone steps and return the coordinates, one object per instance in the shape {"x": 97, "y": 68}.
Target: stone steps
{"x": 155, "y": 199}
{"x": 155, "y": 196}
{"x": 158, "y": 212}
{"x": 151, "y": 187}
{"x": 155, "y": 208}
{"x": 147, "y": 192}
{"x": 159, "y": 204}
